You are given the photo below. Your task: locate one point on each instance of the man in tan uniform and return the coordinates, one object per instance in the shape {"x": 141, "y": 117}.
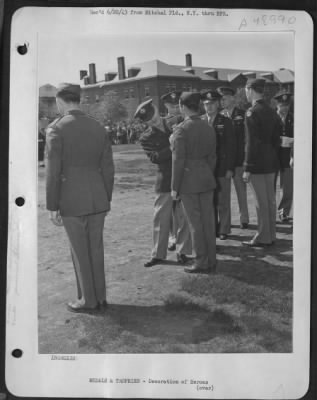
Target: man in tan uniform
{"x": 193, "y": 165}
{"x": 79, "y": 183}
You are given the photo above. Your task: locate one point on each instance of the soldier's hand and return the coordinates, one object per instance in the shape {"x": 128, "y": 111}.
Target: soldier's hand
{"x": 291, "y": 162}
{"x": 56, "y": 218}
{"x": 229, "y": 174}
{"x": 246, "y": 177}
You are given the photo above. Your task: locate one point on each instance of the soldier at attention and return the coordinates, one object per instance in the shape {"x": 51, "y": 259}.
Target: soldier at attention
{"x": 236, "y": 115}
{"x": 194, "y": 162}
{"x": 263, "y": 130}
{"x": 179, "y": 224}
{"x": 226, "y": 160}
{"x": 286, "y": 117}
{"x": 79, "y": 184}
{"x": 155, "y": 142}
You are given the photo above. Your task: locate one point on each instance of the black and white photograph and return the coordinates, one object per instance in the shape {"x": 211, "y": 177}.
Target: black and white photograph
{"x": 169, "y": 208}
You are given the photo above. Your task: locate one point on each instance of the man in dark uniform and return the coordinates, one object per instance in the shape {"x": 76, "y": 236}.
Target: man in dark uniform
{"x": 283, "y": 100}
{"x": 155, "y": 142}
{"x": 237, "y": 118}
{"x": 179, "y": 224}
{"x": 194, "y": 161}
{"x": 263, "y": 131}
{"x": 79, "y": 183}
{"x": 226, "y": 159}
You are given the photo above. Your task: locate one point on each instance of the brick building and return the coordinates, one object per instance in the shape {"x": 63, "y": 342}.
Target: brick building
{"x": 151, "y": 79}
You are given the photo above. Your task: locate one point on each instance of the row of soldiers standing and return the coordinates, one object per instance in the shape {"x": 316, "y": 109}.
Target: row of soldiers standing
{"x": 249, "y": 147}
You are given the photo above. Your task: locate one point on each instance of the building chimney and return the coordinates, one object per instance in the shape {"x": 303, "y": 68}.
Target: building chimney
{"x": 188, "y": 60}
{"x": 212, "y": 73}
{"x": 121, "y": 68}
{"x": 92, "y": 74}
{"x": 86, "y": 80}
{"x": 83, "y": 73}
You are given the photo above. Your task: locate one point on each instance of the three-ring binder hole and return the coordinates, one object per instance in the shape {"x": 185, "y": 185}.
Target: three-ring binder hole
{"x": 23, "y": 49}
{"x": 17, "y": 353}
{"x": 19, "y": 201}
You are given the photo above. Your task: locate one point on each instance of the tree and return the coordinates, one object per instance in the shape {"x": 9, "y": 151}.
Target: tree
{"x": 108, "y": 108}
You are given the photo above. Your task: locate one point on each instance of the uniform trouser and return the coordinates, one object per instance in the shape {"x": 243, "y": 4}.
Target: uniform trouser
{"x": 161, "y": 224}
{"x": 85, "y": 234}
{"x": 163, "y": 206}
{"x": 286, "y": 185}
{"x": 199, "y": 210}
{"x": 262, "y": 186}
{"x": 223, "y": 206}
{"x": 241, "y": 190}
{"x": 179, "y": 229}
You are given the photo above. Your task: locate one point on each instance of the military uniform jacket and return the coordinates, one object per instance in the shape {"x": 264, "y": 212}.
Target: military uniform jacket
{"x": 226, "y": 144}
{"x": 157, "y": 147}
{"x": 237, "y": 118}
{"x": 80, "y": 170}
{"x": 263, "y": 130}
{"x": 194, "y": 156}
{"x": 287, "y": 127}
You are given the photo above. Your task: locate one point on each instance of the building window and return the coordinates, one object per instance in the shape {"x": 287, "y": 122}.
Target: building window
{"x": 97, "y": 98}
{"x": 146, "y": 91}
{"x": 132, "y": 95}
{"x": 126, "y": 93}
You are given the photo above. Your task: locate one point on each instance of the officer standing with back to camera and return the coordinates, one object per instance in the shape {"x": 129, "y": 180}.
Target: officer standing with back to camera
{"x": 179, "y": 225}
{"x": 226, "y": 159}
{"x": 79, "y": 184}
{"x": 194, "y": 161}
{"x": 263, "y": 130}
{"x": 286, "y": 117}
{"x": 236, "y": 115}
{"x": 155, "y": 142}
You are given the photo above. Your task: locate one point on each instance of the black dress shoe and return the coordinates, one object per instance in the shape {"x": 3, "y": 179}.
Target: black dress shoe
{"x": 172, "y": 247}
{"x": 253, "y": 243}
{"x": 152, "y": 262}
{"x": 195, "y": 270}
{"x": 182, "y": 258}
{"x": 223, "y": 236}
{"x": 244, "y": 225}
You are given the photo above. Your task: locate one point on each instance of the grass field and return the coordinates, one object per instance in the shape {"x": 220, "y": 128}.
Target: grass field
{"x": 245, "y": 308}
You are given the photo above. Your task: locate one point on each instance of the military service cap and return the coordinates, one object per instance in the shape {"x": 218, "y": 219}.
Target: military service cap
{"x": 210, "y": 95}
{"x": 145, "y": 111}
{"x": 68, "y": 88}
{"x": 171, "y": 97}
{"x": 283, "y": 97}
{"x": 255, "y": 83}
{"x": 190, "y": 98}
{"x": 226, "y": 90}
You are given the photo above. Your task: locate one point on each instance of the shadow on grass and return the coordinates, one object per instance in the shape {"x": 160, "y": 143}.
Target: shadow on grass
{"x": 255, "y": 271}
{"x": 172, "y": 323}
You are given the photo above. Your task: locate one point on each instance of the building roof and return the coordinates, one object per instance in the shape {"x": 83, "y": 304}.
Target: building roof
{"x": 47, "y": 90}
{"x": 155, "y": 68}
